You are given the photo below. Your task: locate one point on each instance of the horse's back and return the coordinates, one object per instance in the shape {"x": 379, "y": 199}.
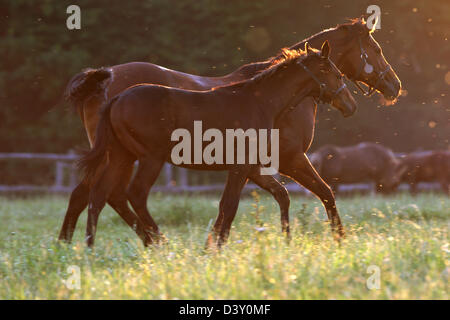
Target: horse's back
{"x": 132, "y": 73}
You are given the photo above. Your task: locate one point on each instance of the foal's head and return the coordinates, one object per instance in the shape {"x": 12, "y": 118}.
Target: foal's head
{"x": 329, "y": 86}
{"x": 364, "y": 60}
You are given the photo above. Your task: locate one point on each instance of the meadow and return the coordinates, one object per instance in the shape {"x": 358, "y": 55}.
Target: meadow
{"x": 401, "y": 240}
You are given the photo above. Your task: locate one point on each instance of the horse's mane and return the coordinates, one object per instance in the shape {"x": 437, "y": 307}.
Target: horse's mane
{"x": 358, "y": 25}
{"x": 283, "y": 60}
{"x": 355, "y": 25}
{"x": 286, "y": 55}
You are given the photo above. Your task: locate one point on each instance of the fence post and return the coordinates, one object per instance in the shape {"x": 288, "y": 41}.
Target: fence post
{"x": 72, "y": 171}
{"x": 183, "y": 177}
{"x": 168, "y": 174}
{"x": 59, "y": 175}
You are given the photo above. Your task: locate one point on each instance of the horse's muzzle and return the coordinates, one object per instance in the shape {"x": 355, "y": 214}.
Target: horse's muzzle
{"x": 392, "y": 87}
{"x": 346, "y": 106}
{"x": 349, "y": 112}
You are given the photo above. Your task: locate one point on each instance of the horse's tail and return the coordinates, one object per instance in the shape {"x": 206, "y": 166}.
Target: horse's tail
{"x": 91, "y": 161}
{"x": 85, "y": 84}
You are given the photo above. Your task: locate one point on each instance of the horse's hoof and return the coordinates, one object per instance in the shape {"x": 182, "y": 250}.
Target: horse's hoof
{"x": 339, "y": 236}
{"x": 64, "y": 240}
{"x": 161, "y": 239}
{"x": 210, "y": 243}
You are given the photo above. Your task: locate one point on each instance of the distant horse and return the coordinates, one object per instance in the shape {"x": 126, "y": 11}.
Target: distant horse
{"x": 138, "y": 125}
{"x": 364, "y": 162}
{"x": 353, "y": 49}
{"x": 426, "y": 166}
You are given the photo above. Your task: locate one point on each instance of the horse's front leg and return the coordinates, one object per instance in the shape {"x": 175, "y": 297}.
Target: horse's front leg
{"x": 271, "y": 185}
{"x": 214, "y": 233}
{"x": 300, "y": 169}
{"x": 237, "y": 177}
{"x": 279, "y": 192}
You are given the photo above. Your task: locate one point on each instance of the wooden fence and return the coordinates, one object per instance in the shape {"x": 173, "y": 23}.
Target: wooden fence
{"x": 64, "y": 167}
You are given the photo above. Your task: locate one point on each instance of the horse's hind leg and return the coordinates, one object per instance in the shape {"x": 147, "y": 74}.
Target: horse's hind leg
{"x": 101, "y": 190}
{"x": 77, "y": 203}
{"x": 146, "y": 175}
{"x": 301, "y": 170}
{"x": 118, "y": 201}
{"x": 280, "y": 194}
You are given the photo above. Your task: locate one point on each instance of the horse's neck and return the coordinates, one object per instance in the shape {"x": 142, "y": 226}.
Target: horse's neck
{"x": 315, "y": 41}
{"x": 278, "y": 93}
{"x": 247, "y": 71}
{"x": 336, "y": 39}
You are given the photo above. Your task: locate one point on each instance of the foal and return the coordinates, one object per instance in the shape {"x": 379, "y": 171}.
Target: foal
{"x": 138, "y": 124}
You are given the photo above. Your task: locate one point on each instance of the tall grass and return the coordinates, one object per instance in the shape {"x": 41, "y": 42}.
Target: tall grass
{"x": 405, "y": 238}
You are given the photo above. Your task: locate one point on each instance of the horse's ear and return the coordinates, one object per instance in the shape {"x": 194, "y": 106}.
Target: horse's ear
{"x": 363, "y": 18}
{"x": 308, "y": 48}
{"x": 325, "y": 50}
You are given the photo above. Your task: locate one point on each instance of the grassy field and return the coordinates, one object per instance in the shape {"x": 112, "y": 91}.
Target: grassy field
{"x": 405, "y": 239}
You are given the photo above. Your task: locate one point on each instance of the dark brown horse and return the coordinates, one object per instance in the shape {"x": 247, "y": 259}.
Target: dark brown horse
{"x": 353, "y": 47}
{"x": 364, "y": 162}
{"x": 140, "y": 123}
{"x": 426, "y": 166}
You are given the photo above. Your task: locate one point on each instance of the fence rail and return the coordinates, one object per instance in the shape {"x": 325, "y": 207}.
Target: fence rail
{"x": 64, "y": 166}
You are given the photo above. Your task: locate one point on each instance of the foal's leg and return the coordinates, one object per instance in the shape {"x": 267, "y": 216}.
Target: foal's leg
{"x": 148, "y": 171}
{"x": 77, "y": 203}
{"x": 279, "y": 192}
{"x": 230, "y": 200}
{"x": 300, "y": 169}
{"x": 102, "y": 188}
{"x": 214, "y": 233}
{"x": 97, "y": 201}
{"x": 271, "y": 185}
{"x": 118, "y": 201}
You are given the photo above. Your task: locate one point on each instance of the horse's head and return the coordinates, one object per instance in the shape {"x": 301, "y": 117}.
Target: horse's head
{"x": 329, "y": 83}
{"x": 393, "y": 175}
{"x": 364, "y": 61}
